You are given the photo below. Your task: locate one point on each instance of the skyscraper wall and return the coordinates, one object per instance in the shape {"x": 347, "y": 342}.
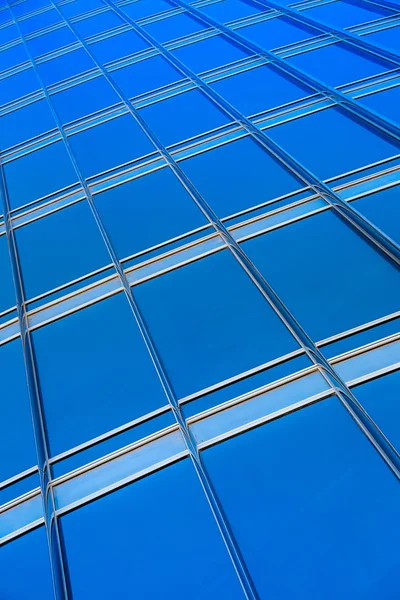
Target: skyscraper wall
{"x": 199, "y": 303}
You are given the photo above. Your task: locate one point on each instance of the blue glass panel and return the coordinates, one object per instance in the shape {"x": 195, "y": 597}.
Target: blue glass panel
{"x": 303, "y": 495}
{"x": 145, "y": 76}
{"x": 118, "y": 46}
{"x": 78, "y": 7}
{"x": 5, "y": 16}
{"x": 380, "y": 398}
{"x": 12, "y": 57}
{"x": 322, "y": 281}
{"x": 17, "y": 446}
{"x": 7, "y": 294}
{"x": 345, "y": 14}
{"x": 163, "y": 534}
{"x": 27, "y": 122}
{"x": 173, "y": 27}
{"x": 19, "y": 488}
{"x": 231, "y": 10}
{"x": 277, "y": 32}
{"x": 147, "y": 211}
{"x": 338, "y": 64}
{"x": 20, "y": 84}
{"x": 383, "y": 209}
{"x": 45, "y": 171}
{"x": 25, "y": 568}
{"x": 24, "y": 8}
{"x": 110, "y": 144}
{"x": 388, "y": 38}
{"x": 146, "y": 8}
{"x": 111, "y": 379}
{"x": 59, "y": 248}
{"x": 98, "y": 24}
{"x": 237, "y": 176}
{"x": 386, "y": 103}
{"x": 82, "y": 100}
{"x": 172, "y": 120}
{"x": 260, "y": 89}
{"x": 65, "y": 66}
{"x": 210, "y": 54}
{"x": 40, "y": 21}
{"x": 209, "y": 296}
{"x": 330, "y": 156}
{"x": 49, "y": 42}
{"x": 8, "y": 34}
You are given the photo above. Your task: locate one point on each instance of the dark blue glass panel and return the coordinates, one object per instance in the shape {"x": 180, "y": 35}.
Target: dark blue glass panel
{"x": 210, "y": 297}
{"x": 45, "y": 171}
{"x": 20, "y": 84}
{"x": 111, "y": 379}
{"x": 322, "y": 281}
{"x": 149, "y": 512}
{"x": 172, "y": 120}
{"x": 386, "y": 103}
{"x": 277, "y": 32}
{"x": 12, "y": 57}
{"x": 260, "y": 89}
{"x": 25, "y": 568}
{"x": 145, "y": 76}
{"x": 65, "y": 66}
{"x": 345, "y": 14}
{"x": 338, "y": 64}
{"x": 17, "y": 446}
{"x": 331, "y": 156}
{"x": 237, "y": 176}
{"x": 146, "y": 8}
{"x": 210, "y": 54}
{"x": 50, "y": 42}
{"x": 308, "y": 497}
{"x": 231, "y": 10}
{"x": 388, "y": 38}
{"x": 82, "y": 100}
{"x": 109, "y": 145}
{"x": 383, "y": 209}
{"x": 27, "y": 122}
{"x": 40, "y": 21}
{"x": 173, "y": 27}
{"x": 59, "y": 248}
{"x": 19, "y": 488}
{"x": 147, "y": 211}
{"x": 7, "y": 294}
{"x": 98, "y": 24}
{"x": 118, "y": 46}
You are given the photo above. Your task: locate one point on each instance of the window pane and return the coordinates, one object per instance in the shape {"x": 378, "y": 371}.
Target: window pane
{"x": 329, "y": 156}
{"x": 173, "y": 27}
{"x": 145, "y": 76}
{"x": 8, "y": 34}
{"x": 345, "y": 14}
{"x": 43, "y": 44}
{"x": 78, "y": 7}
{"x": 20, "y": 84}
{"x": 59, "y": 248}
{"x": 210, "y": 54}
{"x": 111, "y": 379}
{"x": 260, "y": 89}
{"x": 172, "y": 120}
{"x": 388, "y": 38}
{"x": 25, "y": 567}
{"x": 7, "y": 294}
{"x": 321, "y": 275}
{"x": 65, "y": 66}
{"x": 46, "y": 170}
{"x": 231, "y": 10}
{"x": 17, "y": 446}
{"x": 82, "y": 100}
{"x": 277, "y": 32}
{"x": 40, "y": 21}
{"x": 12, "y": 57}
{"x": 314, "y": 485}
{"x": 346, "y": 64}
{"x": 383, "y": 209}
{"x": 146, "y": 8}
{"x": 181, "y": 546}
{"x": 118, "y": 46}
{"x": 380, "y": 398}
{"x": 98, "y": 24}
{"x": 386, "y": 103}
{"x": 109, "y": 145}
{"x": 147, "y": 211}
{"x": 208, "y": 298}
{"x": 27, "y": 122}
{"x": 237, "y": 176}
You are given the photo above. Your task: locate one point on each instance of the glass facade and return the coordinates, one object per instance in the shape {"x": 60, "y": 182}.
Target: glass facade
{"x": 199, "y": 309}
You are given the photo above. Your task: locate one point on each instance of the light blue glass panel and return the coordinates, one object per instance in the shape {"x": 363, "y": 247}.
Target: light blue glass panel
{"x": 213, "y": 323}
{"x": 307, "y": 497}
{"x": 147, "y": 524}
{"x": 20, "y": 516}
